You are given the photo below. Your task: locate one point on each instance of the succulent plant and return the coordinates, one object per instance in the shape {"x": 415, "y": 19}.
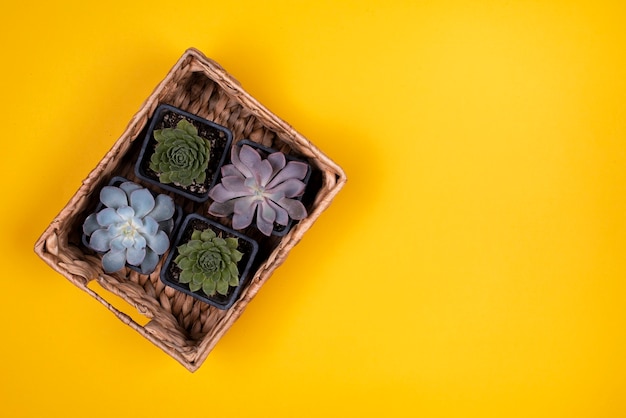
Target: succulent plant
{"x": 132, "y": 227}
{"x": 265, "y": 186}
{"x": 180, "y": 156}
{"x": 209, "y": 262}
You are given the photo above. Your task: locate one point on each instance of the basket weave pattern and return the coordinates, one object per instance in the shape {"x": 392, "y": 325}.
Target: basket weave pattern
{"x": 180, "y": 325}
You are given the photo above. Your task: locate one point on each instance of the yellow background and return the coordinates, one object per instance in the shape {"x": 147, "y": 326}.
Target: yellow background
{"x": 473, "y": 266}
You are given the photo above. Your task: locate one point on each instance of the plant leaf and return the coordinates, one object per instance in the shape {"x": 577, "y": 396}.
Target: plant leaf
{"x": 263, "y": 225}
{"x": 113, "y": 197}
{"x": 113, "y": 261}
{"x": 277, "y": 160}
{"x": 222, "y": 287}
{"x": 142, "y": 202}
{"x": 222, "y": 209}
{"x": 234, "y": 274}
{"x": 164, "y": 208}
{"x": 282, "y": 217}
{"x": 221, "y": 194}
{"x": 208, "y": 287}
{"x": 108, "y": 216}
{"x": 129, "y": 187}
{"x": 100, "y": 240}
{"x": 293, "y": 170}
{"x": 91, "y": 224}
{"x": 158, "y": 243}
{"x": 185, "y": 276}
{"x": 294, "y": 207}
{"x": 197, "y": 278}
{"x": 288, "y": 188}
{"x": 187, "y": 127}
{"x": 244, "y": 212}
{"x": 149, "y": 262}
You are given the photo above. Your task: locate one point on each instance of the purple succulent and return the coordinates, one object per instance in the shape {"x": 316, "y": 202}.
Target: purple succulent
{"x": 265, "y": 186}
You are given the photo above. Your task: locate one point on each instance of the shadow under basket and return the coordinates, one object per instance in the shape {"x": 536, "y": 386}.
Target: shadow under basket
{"x": 185, "y": 328}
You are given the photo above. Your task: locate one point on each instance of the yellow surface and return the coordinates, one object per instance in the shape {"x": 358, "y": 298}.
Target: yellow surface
{"x": 474, "y": 265}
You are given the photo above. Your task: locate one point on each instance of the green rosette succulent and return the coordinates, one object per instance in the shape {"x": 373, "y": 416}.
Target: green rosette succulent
{"x": 180, "y": 156}
{"x": 209, "y": 262}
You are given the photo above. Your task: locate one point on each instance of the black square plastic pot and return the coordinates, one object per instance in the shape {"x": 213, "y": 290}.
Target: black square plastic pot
{"x": 279, "y": 230}
{"x": 220, "y": 139}
{"x": 247, "y": 246}
{"x": 173, "y": 227}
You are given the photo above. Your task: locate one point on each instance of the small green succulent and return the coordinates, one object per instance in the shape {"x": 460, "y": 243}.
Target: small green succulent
{"x": 181, "y": 156}
{"x": 209, "y": 262}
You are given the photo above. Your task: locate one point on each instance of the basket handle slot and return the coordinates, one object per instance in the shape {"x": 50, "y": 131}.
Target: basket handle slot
{"x": 126, "y": 312}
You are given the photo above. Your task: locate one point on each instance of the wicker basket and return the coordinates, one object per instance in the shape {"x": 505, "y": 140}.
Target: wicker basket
{"x": 183, "y": 327}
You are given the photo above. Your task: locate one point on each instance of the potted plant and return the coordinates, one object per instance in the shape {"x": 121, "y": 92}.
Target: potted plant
{"x": 261, "y": 187}
{"x": 131, "y": 226}
{"x": 182, "y": 152}
{"x": 209, "y": 261}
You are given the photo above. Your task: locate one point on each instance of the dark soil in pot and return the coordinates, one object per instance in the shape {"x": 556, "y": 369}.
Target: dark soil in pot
{"x": 219, "y": 137}
{"x": 248, "y": 247}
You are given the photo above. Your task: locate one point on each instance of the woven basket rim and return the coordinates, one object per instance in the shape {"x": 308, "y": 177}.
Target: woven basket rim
{"x": 53, "y": 247}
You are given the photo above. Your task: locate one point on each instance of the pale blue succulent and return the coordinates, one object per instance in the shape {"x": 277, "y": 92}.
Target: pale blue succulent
{"x": 133, "y": 227}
